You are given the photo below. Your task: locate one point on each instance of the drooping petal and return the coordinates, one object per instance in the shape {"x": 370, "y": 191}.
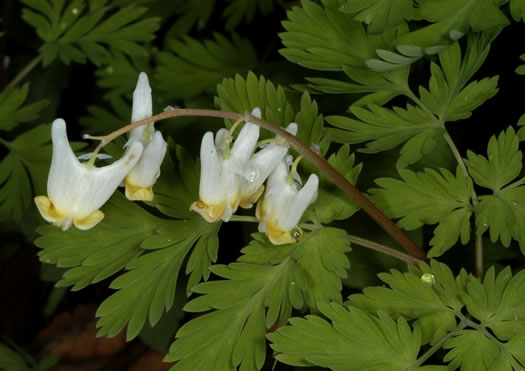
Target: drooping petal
{"x": 142, "y": 109}
{"x": 140, "y": 180}
{"x": 76, "y": 192}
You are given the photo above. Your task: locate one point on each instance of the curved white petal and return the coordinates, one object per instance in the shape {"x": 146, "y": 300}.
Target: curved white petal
{"x": 75, "y": 191}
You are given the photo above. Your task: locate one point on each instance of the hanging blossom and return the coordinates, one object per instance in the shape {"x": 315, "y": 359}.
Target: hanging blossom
{"x": 77, "y": 190}
{"x": 140, "y": 180}
{"x": 283, "y": 205}
{"x": 233, "y": 178}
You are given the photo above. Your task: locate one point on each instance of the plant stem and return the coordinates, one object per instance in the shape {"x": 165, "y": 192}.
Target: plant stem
{"x": 478, "y": 237}
{"x": 461, "y": 325}
{"x": 25, "y": 71}
{"x": 478, "y": 240}
{"x": 244, "y": 218}
{"x": 388, "y": 225}
{"x": 382, "y": 248}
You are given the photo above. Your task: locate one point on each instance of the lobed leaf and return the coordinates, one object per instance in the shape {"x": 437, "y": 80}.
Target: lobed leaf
{"x": 354, "y": 341}
{"x": 190, "y": 68}
{"x": 429, "y": 198}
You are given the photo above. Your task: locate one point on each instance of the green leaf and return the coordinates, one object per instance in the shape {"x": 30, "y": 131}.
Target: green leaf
{"x": 384, "y": 129}
{"x": 332, "y": 203}
{"x": 503, "y": 164}
{"x": 243, "y": 95}
{"x": 409, "y": 296}
{"x": 102, "y": 251}
{"x": 251, "y": 299}
{"x": 75, "y": 33}
{"x": 517, "y": 9}
{"x": 237, "y": 10}
{"x": 178, "y": 187}
{"x": 101, "y": 121}
{"x": 11, "y": 360}
{"x": 13, "y": 111}
{"x": 503, "y": 211}
{"x": 189, "y": 14}
{"x": 429, "y": 198}
{"x": 309, "y": 121}
{"x": 471, "y": 350}
{"x": 321, "y": 254}
{"x": 190, "y": 67}
{"x": 148, "y": 288}
{"x": 355, "y": 340}
{"x": 23, "y": 172}
{"x": 447, "y": 96}
{"x": 451, "y": 20}
{"x": 379, "y": 14}
{"x": 323, "y": 38}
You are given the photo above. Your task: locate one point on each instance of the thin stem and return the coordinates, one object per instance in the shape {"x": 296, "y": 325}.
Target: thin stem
{"x": 244, "y": 218}
{"x": 25, "y": 71}
{"x": 461, "y": 325}
{"x": 478, "y": 240}
{"x": 388, "y": 225}
{"x": 382, "y": 249}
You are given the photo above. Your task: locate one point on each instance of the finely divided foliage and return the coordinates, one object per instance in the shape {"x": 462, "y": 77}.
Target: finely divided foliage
{"x": 378, "y": 89}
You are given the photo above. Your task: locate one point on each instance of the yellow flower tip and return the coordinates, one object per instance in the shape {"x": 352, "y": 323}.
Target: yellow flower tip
{"x": 279, "y": 237}
{"x": 48, "y": 211}
{"x": 211, "y": 213}
{"x": 250, "y": 200}
{"x": 90, "y": 221}
{"x": 138, "y": 193}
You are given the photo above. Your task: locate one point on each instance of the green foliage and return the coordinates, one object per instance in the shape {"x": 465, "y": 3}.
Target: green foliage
{"x": 434, "y": 308}
{"x": 502, "y": 211}
{"x": 147, "y": 289}
{"x": 237, "y": 10}
{"x": 260, "y": 292}
{"x": 77, "y": 34}
{"x": 11, "y": 360}
{"x": 354, "y": 341}
{"x": 191, "y": 67}
{"x": 23, "y": 171}
{"x": 103, "y": 251}
{"x": 332, "y": 203}
{"x": 243, "y": 95}
{"x": 379, "y": 14}
{"x": 384, "y": 129}
{"x": 429, "y": 198}
{"x": 12, "y": 111}
{"x": 328, "y": 40}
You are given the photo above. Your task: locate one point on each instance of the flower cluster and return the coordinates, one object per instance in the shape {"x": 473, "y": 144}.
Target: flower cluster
{"x": 233, "y": 178}
{"x": 77, "y": 190}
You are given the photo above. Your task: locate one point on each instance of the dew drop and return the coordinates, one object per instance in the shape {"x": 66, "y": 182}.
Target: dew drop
{"x": 296, "y": 233}
{"x": 75, "y": 11}
{"x": 292, "y": 283}
{"x": 253, "y": 175}
{"x": 169, "y": 239}
{"x": 279, "y": 109}
{"x": 109, "y": 70}
{"x": 516, "y": 317}
{"x": 428, "y": 279}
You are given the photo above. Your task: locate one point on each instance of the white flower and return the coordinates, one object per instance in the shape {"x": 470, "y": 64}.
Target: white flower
{"x": 282, "y": 205}
{"x": 139, "y": 182}
{"x": 230, "y": 181}
{"x": 76, "y": 191}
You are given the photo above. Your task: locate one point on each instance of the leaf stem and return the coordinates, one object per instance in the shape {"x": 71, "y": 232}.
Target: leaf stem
{"x": 25, "y": 71}
{"x": 382, "y": 249}
{"x": 478, "y": 240}
{"x": 461, "y": 325}
{"x": 244, "y": 218}
{"x": 388, "y": 225}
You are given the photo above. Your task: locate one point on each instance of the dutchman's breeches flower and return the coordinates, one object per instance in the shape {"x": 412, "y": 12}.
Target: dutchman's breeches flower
{"x": 230, "y": 179}
{"x": 139, "y": 182}
{"x": 282, "y": 205}
{"x": 75, "y": 190}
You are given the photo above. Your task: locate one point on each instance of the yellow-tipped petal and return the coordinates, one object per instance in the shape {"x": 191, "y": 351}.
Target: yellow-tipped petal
{"x": 211, "y": 213}
{"x": 279, "y": 237}
{"x": 90, "y": 221}
{"x": 249, "y": 201}
{"x": 47, "y": 209}
{"x": 138, "y": 193}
